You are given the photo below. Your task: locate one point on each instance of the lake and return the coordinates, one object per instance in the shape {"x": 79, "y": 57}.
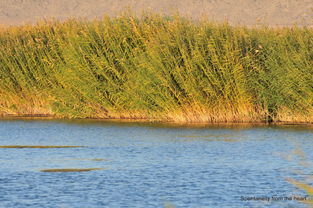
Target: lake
{"x": 111, "y": 164}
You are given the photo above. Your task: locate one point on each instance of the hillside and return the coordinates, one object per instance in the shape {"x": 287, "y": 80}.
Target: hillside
{"x": 248, "y": 12}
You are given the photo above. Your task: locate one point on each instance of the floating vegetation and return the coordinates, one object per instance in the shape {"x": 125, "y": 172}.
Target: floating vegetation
{"x": 213, "y": 139}
{"x": 97, "y": 160}
{"x": 156, "y": 68}
{"x": 71, "y": 170}
{"x": 37, "y": 147}
{"x": 209, "y": 136}
{"x": 87, "y": 159}
{"x": 169, "y": 205}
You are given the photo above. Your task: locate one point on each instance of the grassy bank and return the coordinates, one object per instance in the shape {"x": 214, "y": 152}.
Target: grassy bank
{"x": 164, "y": 68}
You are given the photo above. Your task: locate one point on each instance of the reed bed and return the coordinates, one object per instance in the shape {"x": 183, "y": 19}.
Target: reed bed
{"x": 156, "y": 67}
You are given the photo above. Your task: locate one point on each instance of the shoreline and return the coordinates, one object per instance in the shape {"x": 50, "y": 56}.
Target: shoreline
{"x": 151, "y": 121}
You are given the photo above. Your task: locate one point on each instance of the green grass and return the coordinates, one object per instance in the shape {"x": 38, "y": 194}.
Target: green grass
{"x": 154, "y": 67}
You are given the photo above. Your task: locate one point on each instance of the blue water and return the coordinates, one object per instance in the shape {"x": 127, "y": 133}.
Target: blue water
{"x": 152, "y": 165}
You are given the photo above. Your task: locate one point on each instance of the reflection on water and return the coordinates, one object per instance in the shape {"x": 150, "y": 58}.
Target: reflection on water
{"x": 151, "y": 165}
{"x": 301, "y": 157}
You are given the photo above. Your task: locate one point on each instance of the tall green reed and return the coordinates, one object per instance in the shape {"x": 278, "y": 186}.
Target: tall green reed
{"x": 155, "y": 67}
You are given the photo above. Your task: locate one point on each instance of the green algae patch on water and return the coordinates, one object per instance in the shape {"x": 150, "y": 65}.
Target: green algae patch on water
{"x": 70, "y": 170}
{"x": 37, "y": 147}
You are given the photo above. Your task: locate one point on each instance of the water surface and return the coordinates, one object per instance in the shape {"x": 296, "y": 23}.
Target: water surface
{"x": 151, "y": 165}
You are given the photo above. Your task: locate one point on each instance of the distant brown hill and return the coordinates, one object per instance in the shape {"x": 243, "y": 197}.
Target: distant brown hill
{"x": 247, "y": 12}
